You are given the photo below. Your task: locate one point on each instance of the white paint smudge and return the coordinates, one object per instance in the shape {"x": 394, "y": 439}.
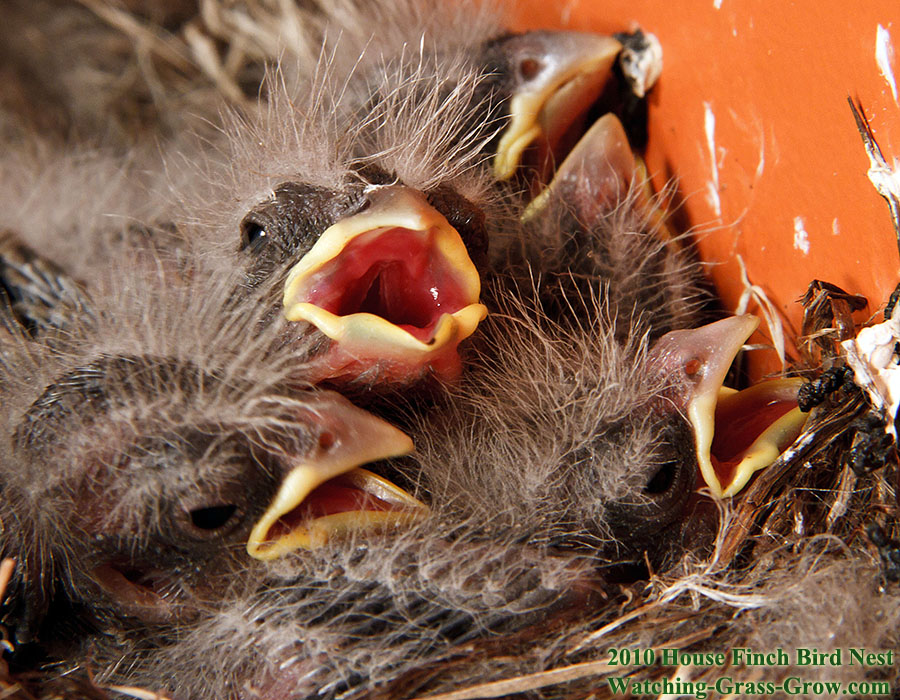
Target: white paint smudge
{"x": 801, "y": 237}
{"x": 717, "y": 4}
{"x": 761, "y": 165}
{"x": 884, "y": 56}
{"x": 709, "y": 126}
{"x": 835, "y": 227}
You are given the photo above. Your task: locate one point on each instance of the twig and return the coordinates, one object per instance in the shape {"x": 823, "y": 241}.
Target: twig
{"x": 138, "y": 693}
{"x": 521, "y": 684}
{"x": 882, "y": 175}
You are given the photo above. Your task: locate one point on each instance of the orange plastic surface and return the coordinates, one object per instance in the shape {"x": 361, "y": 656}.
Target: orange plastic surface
{"x": 751, "y": 116}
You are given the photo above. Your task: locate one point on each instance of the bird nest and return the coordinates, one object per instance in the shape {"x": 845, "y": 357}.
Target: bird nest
{"x": 805, "y": 560}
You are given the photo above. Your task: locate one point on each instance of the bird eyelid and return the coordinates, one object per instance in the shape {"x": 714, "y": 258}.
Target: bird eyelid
{"x": 214, "y": 513}
{"x": 670, "y": 473}
{"x": 294, "y": 215}
{"x": 210, "y": 521}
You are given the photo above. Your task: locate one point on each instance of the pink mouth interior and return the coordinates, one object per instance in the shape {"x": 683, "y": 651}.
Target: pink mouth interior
{"x": 396, "y": 274}
{"x": 735, "y": 432}
{"x": 338, "y": 495}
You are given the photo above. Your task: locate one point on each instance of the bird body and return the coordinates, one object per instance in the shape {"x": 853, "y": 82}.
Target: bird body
{"x": 180, "y": 485}
{"x": 412, "y": 112}
{"x": 145, "y": 438}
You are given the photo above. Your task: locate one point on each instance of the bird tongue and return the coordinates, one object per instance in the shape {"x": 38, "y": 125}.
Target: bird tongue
{"x": 393, "y": 287}
{"x": 393, "y": 273}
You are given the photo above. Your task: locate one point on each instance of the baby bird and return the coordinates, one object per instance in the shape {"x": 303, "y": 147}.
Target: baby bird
{"x": 386, "y": 616}
{"x": 580, "y": 437}
{"x": 381, "y": 271}
{"x": 596, "y": 231}
{"x": 155, "y": 441}
{"x": 367, "y": 195}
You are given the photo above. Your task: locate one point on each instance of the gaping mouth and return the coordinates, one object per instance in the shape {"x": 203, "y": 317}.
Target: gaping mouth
{"x": 327, "y": 495}
{"x": 590, "y": 168}
{"x": 735, "y": 433}
{"x": 304, "y": 518}
{"x": 596, "y": 174}
{"x": 393, "y": 285}
{"x": 753, "y": 427}
{"x": 571, "y": 73}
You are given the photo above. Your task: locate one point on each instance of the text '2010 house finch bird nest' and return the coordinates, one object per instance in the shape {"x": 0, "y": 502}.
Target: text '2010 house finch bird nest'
{"x": 346, "y": 352}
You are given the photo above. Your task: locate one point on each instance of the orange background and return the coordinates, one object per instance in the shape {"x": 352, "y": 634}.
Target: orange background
{"x": 789, "y": 191}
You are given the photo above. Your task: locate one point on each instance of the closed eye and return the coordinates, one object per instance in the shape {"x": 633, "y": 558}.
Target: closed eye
{"x": 663, "y": 479}
{"x": 213, "y": 518}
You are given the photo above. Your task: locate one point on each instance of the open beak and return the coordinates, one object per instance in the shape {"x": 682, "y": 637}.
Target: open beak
{"x": 735, "y": 433}
{"x": 753, "y": 427}
{"x": 392, "y": 286}
{"x": 566, "y": 75}
{"x": 596, "y": 174}
{"x": 601, "y": 172}
{"x": 327, "y": 495}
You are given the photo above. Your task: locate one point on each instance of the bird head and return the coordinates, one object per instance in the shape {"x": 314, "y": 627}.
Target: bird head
{"x": 160, "y": 442}
{"x": 550, "y": 80}
{"x": 150, "y": 477}
{"x": 557, "y": 425}
{"x": 588, "y": 438}
{"x": 379, "y": 264}
{"x": 377, "y": 270}
{"x": 595, "y": 230}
